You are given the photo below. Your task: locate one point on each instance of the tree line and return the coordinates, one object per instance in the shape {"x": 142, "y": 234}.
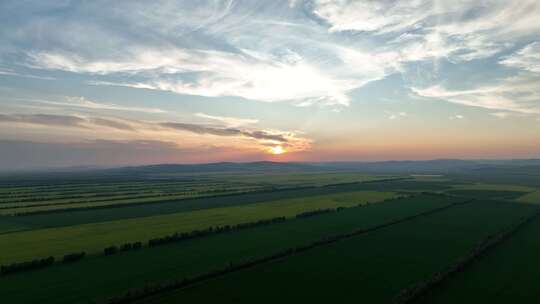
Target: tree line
{"x": 211, "y": 231}
{"x": 124, "y": 247}
{"x": 28, "y": 265}
{"x": 39, "y": 263}
{"x": 319, "y": 212}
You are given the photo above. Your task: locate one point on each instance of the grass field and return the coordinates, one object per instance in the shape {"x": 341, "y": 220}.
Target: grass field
{"x": 85, "y": 280}
{"x": 376, "y": 265}
{"x": 505, "y": 275}
{"x": 94, "y": 237}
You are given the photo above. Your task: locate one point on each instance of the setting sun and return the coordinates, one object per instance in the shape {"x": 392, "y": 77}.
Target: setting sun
{"x": 277, "y": 150}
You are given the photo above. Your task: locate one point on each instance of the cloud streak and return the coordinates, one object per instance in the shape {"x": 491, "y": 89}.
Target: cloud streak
{"x": 202, "y": 129}
{"x": 82, "y": 102}
{"x": 528, "y": 58}
{"x": 228, "y": 121}
{"x": 263, "y": 138}
{"x": 515, "y": 94}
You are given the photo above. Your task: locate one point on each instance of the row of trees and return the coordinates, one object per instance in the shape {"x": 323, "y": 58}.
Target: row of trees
{"x": 29, "y": 265}
{"x": 125, "y": 247}
{"x": 72, "y": 257}
{"x": 318, "y": 212}
{"x": 210, "y": 231}
{"x": 40, "y": 263}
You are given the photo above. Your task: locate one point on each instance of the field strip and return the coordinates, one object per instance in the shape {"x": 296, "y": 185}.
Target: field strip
{"x": 412, "y": 294}
{"x": 158, "y": 200}
{"x": 94, "y": 215}
{"x": 174, "y": 200}
{"x": 176, "y": 285}
{"x": 60, "y": 240}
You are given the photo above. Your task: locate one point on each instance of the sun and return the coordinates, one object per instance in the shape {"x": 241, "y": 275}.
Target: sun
{"x": 277, "y": 150}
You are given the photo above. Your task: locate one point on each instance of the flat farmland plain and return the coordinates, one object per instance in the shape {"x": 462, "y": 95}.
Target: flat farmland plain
{"x": 504, "y": 275}
{"x": 73, "y": 216}
{"x": 92, "y": 238}
{"x": 376, "y": 265}
{"x": 84, "y": 281}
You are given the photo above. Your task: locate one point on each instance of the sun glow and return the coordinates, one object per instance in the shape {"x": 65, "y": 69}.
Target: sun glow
{"x": 277, "y": 150}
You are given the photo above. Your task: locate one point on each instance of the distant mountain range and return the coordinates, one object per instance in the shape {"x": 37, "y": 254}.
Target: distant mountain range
{"x": 523, "y": 171}
{"x": 428, "y": 166}
{"x": 439, "y": 166}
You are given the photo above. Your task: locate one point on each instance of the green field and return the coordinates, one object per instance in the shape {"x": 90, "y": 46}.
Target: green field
{"x": 32, "y": 199}
{"x": 183, "y": 259}
{"x": 415, "y": 226}
{"x": 376, "y": 265}
{"x": 92, "y": 238}
{"x": 505, "y": 275}
{"x": 77, "y": 217}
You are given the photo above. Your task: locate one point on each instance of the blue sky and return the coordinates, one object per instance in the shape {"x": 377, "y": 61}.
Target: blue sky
{"x": 200, "y": 81}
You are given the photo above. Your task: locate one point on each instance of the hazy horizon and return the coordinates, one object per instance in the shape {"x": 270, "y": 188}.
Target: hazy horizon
{"x": 90, "y": 167}
{"x": 290, "y": 81}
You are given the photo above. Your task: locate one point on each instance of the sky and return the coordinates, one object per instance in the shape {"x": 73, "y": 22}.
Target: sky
{"x": 114, "y": 83}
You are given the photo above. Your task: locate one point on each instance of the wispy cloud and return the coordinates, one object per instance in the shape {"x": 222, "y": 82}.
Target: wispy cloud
{"x": 10, "y": 72}
{"x": 228, "y": 121}
{"x": 528, "y": 58}
{"x": 248, "y": 74}
{"x": 304, "y": 52}
{"x": 517, "y": 94}
{"x": 64, "y": 121}
{"x": 500, "y": 114}
{"x": 261, "y": 137}
{"x": 43, "y": 119}
{"x": 461, "y": 31}
{"x": 393, "y": 116}
{"x": 307, "y": 52}
{"x": 202, "y": 129}
{"x": 372, "y": 16}
{"x": 82, "y": 102}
